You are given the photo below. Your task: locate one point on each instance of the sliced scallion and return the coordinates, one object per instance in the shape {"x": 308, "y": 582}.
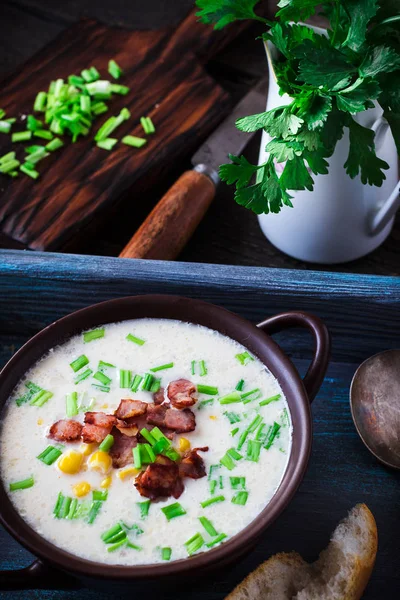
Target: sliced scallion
{"x": 137, "y": 458}
{"x": 147, "y": 382}
{"x": 100, "y": 495}
{"x": 234, "y": 431}
{"x": 205, "y": 403}
{"x": 207, "y": 389}
{"x": 240, "y": 498}
{"x": 84, "y": 375}
{"x": 135, "y": 142}
{"x": 272, "y": 433}
{"x": 107, "y": 144}
{"x": 94, "y": 334}
{"x": 125, "y": 378}
{"x": 41, "y": 398}
{"x": 251, "y": 395}
{"x": 79, "y": 363}
{"x": 136, "y": 382}
{"x": 50, "y": 455}
{"x": 40, "y": 102}
{"x": 43, "y": 134}
{"x": 173, "y": 510}
{"x": 106, "y": 444}
{"x": 253, "y": 450}
{"x": 21, "y": 136}
{"x": 166, "y": 553}
{"x": 22, "y": 485}
{"x": 148, "y": 436}
{"x": 162, "y": 367}
{"x": 269, "y": 400}
{"x": 232, "y": 417}
{"x": 230, "y": 398}
{"x": 208, "y": 526}
{"x": 220, "y": 538}
{"x": 94, "y": 511}
{"x": 244, "y": 358}
{"x": 102, "y": 377}
{"x": 147, "y": 124}
{"x": 72, "y": 404}
{"x": 240, "y": 385}
{"x": 144, "y": 508}
{"x": 238, "y": 483}
{"x": 213, "y": 500}
{"x": 114, "y": 69}
{"x": 5, "y": 127}
{"x": 194, "y": 544}
{"x": 135, "y": 340}
{"x": 202, "y": 368}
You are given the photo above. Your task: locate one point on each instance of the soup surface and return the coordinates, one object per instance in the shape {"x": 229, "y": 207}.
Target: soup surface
{"x": 85, "y": 499}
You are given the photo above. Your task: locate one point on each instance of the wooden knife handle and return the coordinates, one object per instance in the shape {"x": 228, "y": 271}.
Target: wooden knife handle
{"x": 173, "y": 220}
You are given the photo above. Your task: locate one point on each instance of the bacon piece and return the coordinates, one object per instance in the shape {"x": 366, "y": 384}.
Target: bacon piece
{"x": 158, "y": 397}
{"x": 192, "y": 464}
{"x": 66, "y": 430}
{"x": 180, "y": 421}
{"x": 180, "y": 393}
{"x": 121, "y": 450}
{"x": 160, "y": 480}
{"x": 97, "y": 426}
{"x": 127, "y": 428}
{"x": 130, "y": 408}
{"x": 156, "y": 414}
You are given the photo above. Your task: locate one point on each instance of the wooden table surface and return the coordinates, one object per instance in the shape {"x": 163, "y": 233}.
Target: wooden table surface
{"x": 229, "y": 234}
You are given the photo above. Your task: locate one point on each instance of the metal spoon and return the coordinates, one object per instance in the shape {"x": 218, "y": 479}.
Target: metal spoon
{"x": 375, "y": 405}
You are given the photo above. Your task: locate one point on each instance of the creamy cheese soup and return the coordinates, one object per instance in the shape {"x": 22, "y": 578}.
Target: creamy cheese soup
{"x": 82, "y": 499}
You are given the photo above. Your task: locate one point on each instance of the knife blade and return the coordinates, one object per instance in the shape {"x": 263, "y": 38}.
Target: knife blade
{"x": 175, "y": 217}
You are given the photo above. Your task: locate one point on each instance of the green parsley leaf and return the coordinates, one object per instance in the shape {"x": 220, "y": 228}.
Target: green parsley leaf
{"x": 295, "y": 176}
{"x": 360, "y": 14}
{"x": 360, "y": 98}
{"x": 318, "y": 111}
{"x": 324, "y": 66}
{"x": 316, "y": 162}
{"x": 283, "y": 150}
{"x": 279, "y": 122}
{"x": 333, "y": 129}
{"x": 265, "y": 196}
{"x": 362, "y": 158}
{"x": 223, "y": 12}
{"x": 240, "y": 171}
{"x": 380, "y": 59}
{"x": 296, "y": 10}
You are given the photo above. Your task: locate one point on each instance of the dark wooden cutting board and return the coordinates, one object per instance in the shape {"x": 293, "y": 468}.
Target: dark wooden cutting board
{"x": 81, "y": 183}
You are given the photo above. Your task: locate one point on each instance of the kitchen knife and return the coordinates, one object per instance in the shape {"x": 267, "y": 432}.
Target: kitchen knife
{"x": 175, "y": 217}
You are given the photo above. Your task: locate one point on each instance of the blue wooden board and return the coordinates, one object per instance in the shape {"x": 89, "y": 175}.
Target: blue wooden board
{"x": 363, "y": 314}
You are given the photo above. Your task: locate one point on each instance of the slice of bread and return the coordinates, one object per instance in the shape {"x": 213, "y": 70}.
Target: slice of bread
{"x": 341, "y": 572}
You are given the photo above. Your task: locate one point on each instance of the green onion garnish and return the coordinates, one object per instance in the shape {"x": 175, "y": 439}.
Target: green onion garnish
{"x": 101, "y": 388}
{"x": 123, "y": 90}
{"x": 132, "y": 140}
{"x": 242, "y": 439}
{"x": 43, "y": 134}
{"x": 232, "y": 417}
{"x": 32, "y": 390}
{"x": 254, "y": 424}
{"x": 125, "y": 377}
{"x": 72, "y": 509}
{"x": 64, "y": 510}
{"x": 136, "y": 382}
{"x": 203, "y": 368}
{"x": 230, "y": 398}
{"x": 5, "y": 127}
{"x": 114, "y": 69}
{"x": 147, "y": 435}
{"x": 155, "y": 386}
{"x": 2, "y": 113}
{"x": 238, "y": 482}
{"x": 41, "y": 398}
{"x": 9, "y": 156}
{"x": 32, "y": 124}
{"x": 94, "y": 334}
{"x": 162, "y": 367}
{"x": 194, "y": 544}
{"x": 107, "y": 144}
{"x": 253, "y": 450}
{"x": 193, "y": 367}
{"x": 22, "y": 485}
{"x": 173, "y": 510}
{"x": 285, "y": 418}
{"x": 94, "y": 510}
{"x": 217, "y": 540}
{"x": 102, "y": 366}
{"x": 135, "y": 340}
{"x": 234, "y": 431}
{"x": 37, "y": 156}
{"x": 148, "y": 381}
{"x": 72, "y": 404}
{"x": 137, "y": 458}
{"x": 161, "y": 446}
{"x": 205, "y": 403}
{"x": 210, "y": 501}
{"x": 98, "y": 108}
{"x": 228, "y": 462}
{"x": 107, "y": 443}
{"x": 234, "y": 454}
{"x": 244, "y": 358}
{"x": 252, "y": 395}
{"x": 40, "y": 102}
{"x": 147, "y": 453}
{"x": 144, "y": 508}
{"x": 147, "y": 125}
{"x": 240, "y": 385}
{"x": 208, "y": 526}
{"x": 213, "y": 485}
{"x": 100, "y": 495}
{"x": 240, "y": 498}
{"x": 110, "y": 536}
{"x": 207, "y": 389}
{"x": 269, "y": 400}
{"x": 21, "y": 136}
{"x": 59, "y": 502}
{"x": 111, "y": 124}
{"x": 84, "y": 375}
{"x": 50, "y": 454}
{"x": 117, "y": 545}
{"x": 9, "y": 167}
{"x": 104, "y": 379}
{"x": 272, "y": 433}
{"x": 172, "y": 454}
{"x": 28, "y": 170}
{"x": 158, "y": 434}
{"x": 212, "y": 469}
{"x": 166, "y": 553}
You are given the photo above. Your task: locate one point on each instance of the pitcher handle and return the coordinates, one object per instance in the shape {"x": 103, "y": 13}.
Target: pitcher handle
{"x": 380, "y": 218}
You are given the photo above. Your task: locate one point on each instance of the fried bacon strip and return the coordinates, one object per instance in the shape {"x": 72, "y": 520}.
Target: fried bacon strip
{"x": 97, "y": 426}
{"x": 181, "y": 393}
{"x": 192, "y": 464}
{"x": 160, "y": 480}
{"x": 128, "y": 409}
{"x": 121, "y": 450}
{"x": 66, "y": 430}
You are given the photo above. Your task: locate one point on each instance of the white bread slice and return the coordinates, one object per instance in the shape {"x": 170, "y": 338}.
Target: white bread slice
{"x": 341, "y": 572}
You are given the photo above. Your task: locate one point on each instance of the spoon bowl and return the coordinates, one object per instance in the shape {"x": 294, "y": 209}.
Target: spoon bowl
{"x": 375, "y": 405}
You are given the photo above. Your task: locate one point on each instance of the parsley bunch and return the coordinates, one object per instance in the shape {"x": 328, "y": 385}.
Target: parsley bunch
{"x": 329, "y": 78}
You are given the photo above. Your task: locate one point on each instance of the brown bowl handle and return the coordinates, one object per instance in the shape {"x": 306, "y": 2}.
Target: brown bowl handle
{"x": 322, "y": 344}
{"x": 37, "y": 576}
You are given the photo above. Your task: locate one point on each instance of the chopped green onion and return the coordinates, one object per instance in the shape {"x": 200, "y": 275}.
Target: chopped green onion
{"x": 155, "y": 386}
{"x": 228, "y": 462}
{"x": 72, "y": 404}
{"x": 94, "y": 73}
{"x": 79, "y": 362}
{"x": 136, "y": 382}
{"x": 50, "y": 455}
{"x": 147, "y": 435}
{"x": 207, "y": 389}
{"x": 125, "y": 377}
{"x": 33, "y": 124}
{"x": 212, "y": 469}
{"x": 217, "y": 540}
{"x": 66, "y": 505}
{"x": 32, "y": 390}
{"x": 8, "y": 167}
{"x": 54, "y": 144}
{"x": 123, "y": 90}
{"x": 59, "y": 502}
{"x": 94, "y": 510}
{"x": 5, "y": 127}
{"x": 172, "y": 454}
{"x": 272, "y": 433}
{"x": 114, "y": 69}
{"x": 158, "y": 434}
{"x": 37, "y": 157}
{"x": 234, "y": 431}
{"x": 244, "y": 358}
{"x": 240, "y": 498}
{"x": 161, "y": 446}
{"x": 230, "y": 398}
{"x": 194, "y": 544}
{"x": 107, "y": 443}
{"x": 72, "y": 509}
{"x": 104, "y": 365}
{"x": 147, "y": 125}
{"x": 102, "y": 377}
{"x": 238, "y": 482}
{"x": 213, "y": 485}
{"x": 100, "y": 495}
{"x": 40, "y": 102}
{"x": 101, "y": 388}
{"x": 11, "y": 121}
{"x": 252, "y": 395}
{"x": 22, "y": 485}
{"x": 98, "y": 108}
{"x": 285, "y": 418}
{"x": 2, "y": 113}
{"x": 135, "y": 340}
{"x": 205, "y": 403}
{"x": 135, "y": 142}
{"x": 240, "y": 385}
{"x": 234, "y": 454}
{"x": 208, "y": 526}
{"x": 214, "y": 500}
{"x": 173, "y": 510}
{"x": 269, "y": 400}
{"x": 111, "y": 124}
{"x": 144, "y": 508}
{"x": 162, "y": 367}
{"x": 137, "y": 457}
{"x": 242, "y": 439}
{"x": 193, "y": 367}
{"x": 110, "y": 535}
{"x": 232, "y": 417}
{"x": 87, "y": 75}
{"x": 83, "y": 375}
{"x": 145, "y": 456}
{"x": 253, "y": 450}
{"x": 94, "y": 334}
{"x": 254, "y": 424}
{"x": 8, "y": 157}
{"x": 41, "y": 398}
{"x": 21, "y": 136}
{"x": 147, "y": 383}
{"x": 260, "y": 436}
{"x": 107, "y": 144}
{"x": 117, "y": 545}
{"x": 203, "y": 369}
{"x": 44, "y": 134}
{"x": 166, "y": 553}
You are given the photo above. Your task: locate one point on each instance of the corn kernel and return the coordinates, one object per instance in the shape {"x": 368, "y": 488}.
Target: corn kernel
{"x": 184, "y": 444}
{"x": 106, "y": 482}
{"x": 124, "y": 473}
{"x": 71, "y": 462}
{"x": 213, "y": 417}
{"x": 81, "y": 489}
{"x": 40, "y": 421}
{"x": 87, "y": 449}
{"x": 104, "y": 406}
{"x": 100, "y": 461}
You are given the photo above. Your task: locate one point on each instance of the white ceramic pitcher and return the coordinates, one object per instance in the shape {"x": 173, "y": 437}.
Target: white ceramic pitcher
{"x": 342, "y": 219}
